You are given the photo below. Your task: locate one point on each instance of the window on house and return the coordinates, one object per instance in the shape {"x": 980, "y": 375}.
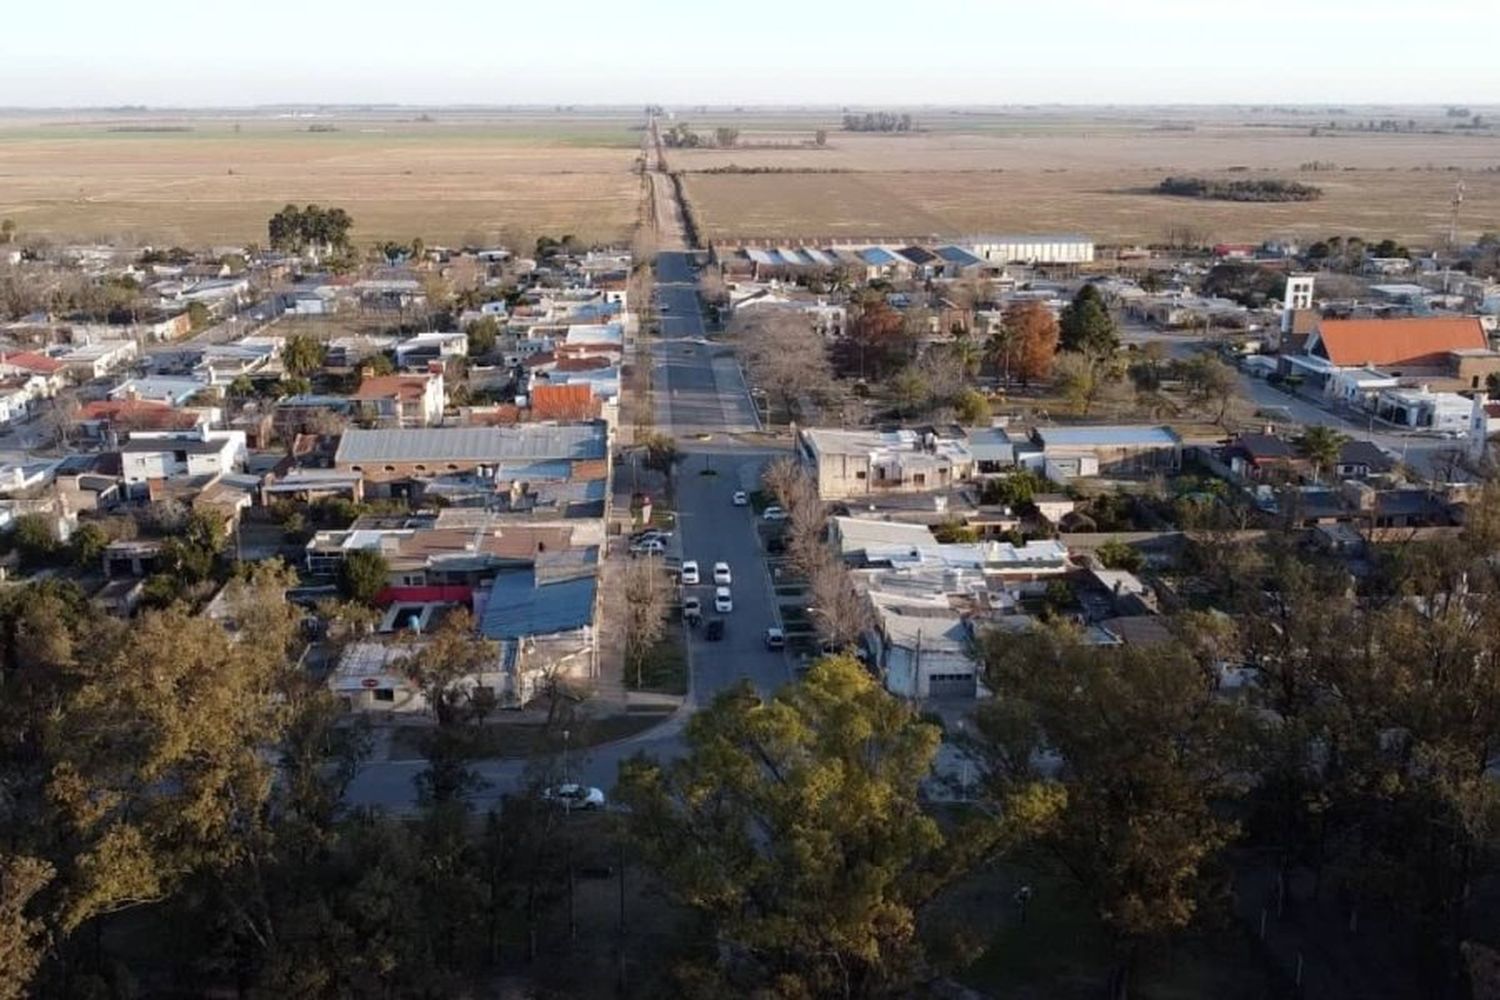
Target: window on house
{"x": 390, "y": 468}
{"x": 385, "y": 694}
{"x": 355, "y": 468}
{"x": 180, "y": 456}
{"x": 919, "y": 478}
{"x": 860, "y": 474}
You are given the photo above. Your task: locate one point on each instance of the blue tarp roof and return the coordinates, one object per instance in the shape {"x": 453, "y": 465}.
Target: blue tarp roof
{"x": 519, "y": 607}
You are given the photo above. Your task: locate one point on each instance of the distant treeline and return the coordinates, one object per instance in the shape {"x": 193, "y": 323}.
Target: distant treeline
{"x": 1246, "y": 190}
{"x": 736, "y": 169}
{"x": 150, "y": 128}
{"x": 881, "y": 121}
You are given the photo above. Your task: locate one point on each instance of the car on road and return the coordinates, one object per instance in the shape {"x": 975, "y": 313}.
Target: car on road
{"x": 775, "y": 638}
{"x": 715, "y": 630}
{"x": 690, "y": 573}
{"x": 723, "y": 601}
{"x": 692, "y": 610}
{"x": 722, "y": 575}
{"x": 648, "y": 547}
{"x": 773, "y": 513}
{"x": 571, "y": 796}
{"x": 641, "y": 536}
{"x": 741, "y": 498}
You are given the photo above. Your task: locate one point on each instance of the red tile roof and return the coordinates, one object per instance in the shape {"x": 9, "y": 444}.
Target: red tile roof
{"x": 31, "y": 361}
{"x": 1418, "y": 341}
{"x": 407, "y": 388}
{"x": 563, "y": 402}
{"x": 140, "y": 413}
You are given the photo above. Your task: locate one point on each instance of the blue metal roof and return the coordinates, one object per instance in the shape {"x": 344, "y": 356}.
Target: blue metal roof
{"x": 519, "y": 607}
{"x": 958, "y": 255}
{"x": 877, "y": 256}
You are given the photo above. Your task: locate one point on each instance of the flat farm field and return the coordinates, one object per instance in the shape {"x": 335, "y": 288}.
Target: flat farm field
{"x": 199, "y": 180}
{"x": 1090, "y": 176}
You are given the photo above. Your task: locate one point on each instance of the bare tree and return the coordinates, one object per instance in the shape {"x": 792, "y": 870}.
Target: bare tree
{"x": 840, "y": 611}
{"x": 782, "y": 353}
{"x": 779, "y": 477}
{"x": 645, "y": 591}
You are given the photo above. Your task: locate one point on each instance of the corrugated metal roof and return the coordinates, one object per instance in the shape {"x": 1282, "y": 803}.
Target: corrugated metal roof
{"x": 958, "y": 255}
{"x": 1111, "y": 436}
{"x": 519, "y": 607}
{"x": 759, "y": 256}
{"x": 543, "y": 442}
{"x": 819, "y": 257}
{"x": 878, "y": 256}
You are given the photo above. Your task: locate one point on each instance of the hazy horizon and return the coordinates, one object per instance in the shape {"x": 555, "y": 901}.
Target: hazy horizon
{"x": 971, "y": 53}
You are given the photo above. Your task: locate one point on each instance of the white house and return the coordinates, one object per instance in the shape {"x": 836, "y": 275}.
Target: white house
{"x": 150, "y": 455}
{"x": 416, "y": 352}
{"x": 91, "y": 361}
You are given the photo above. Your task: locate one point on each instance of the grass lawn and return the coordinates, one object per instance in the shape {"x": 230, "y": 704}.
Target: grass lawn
{"x": 527, "y": 739}
{"x": 665, "y": 669}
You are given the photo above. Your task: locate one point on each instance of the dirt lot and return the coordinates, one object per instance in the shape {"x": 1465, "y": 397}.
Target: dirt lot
{"x": 218, "y": 181}
{"x": 1089, "y": 176}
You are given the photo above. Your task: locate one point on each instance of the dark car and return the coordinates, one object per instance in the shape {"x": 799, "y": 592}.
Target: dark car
{"x": 715, "y": 630}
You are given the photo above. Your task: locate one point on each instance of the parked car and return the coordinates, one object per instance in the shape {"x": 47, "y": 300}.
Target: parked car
{"x": 715, "y": 630}
{"x": 723, "y": 602}
{"x": 741, "y": 498}
{"x": 571, "y": 796}
{"x": 773, "y": 513}
{"x": 648, "y": 547}
{"x": 721, "y": 574}
{"x": 690, "y": 573}
{"x": 692, "y": 610}
{"x": 660, "y": 534}
{"x": 775, "y": 638}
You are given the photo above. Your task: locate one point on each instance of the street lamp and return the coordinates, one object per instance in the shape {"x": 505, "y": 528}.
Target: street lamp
{"x": 565, "y": 734}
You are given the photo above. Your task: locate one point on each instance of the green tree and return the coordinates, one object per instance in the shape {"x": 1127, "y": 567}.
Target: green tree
{"x": 1321, "y": 445}
{"x": 364, "y": 574}
{"x": 302, "y": 356}
{"x": 483, "y": 333}
{"x": 971, "y": 408}
{"x": 34, "y": 540}
{"x": 1078, "y": 380}
{"x": 1148, "y": 756}
{"x": 1086, "y": 326}
{"x": 21, "y": 935}
{"x": 793, "y": 827}
{"x": 88, "y": 544}
{"x": 1115, "y": 554}
{"x": 7, "y": 231}
{"x": 910, "y": 390}
{"x": 198, "y": 316}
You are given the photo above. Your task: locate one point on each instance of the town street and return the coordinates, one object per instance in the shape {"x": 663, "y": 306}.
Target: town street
{"x": 700, "y": 393}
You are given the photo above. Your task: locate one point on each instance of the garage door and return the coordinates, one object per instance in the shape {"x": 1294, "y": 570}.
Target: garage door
{"x": 950, "y": 686}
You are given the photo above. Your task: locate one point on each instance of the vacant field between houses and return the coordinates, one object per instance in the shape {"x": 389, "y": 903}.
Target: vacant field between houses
{"x": 200, "y": 179}
{"x": 969, "y": 174}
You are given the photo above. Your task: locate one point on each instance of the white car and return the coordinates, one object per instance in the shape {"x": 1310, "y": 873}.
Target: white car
{"x": 648, "y": 547}
{"x": 571, "y": 796}
{"x": 721, "y": 574}
{"x": 690, "y": 573}
{"x": 723, "y": 602}
{"x": 741, "y": 498}
{"x": 692, "y": 609}
{"x": 773, "y": 513}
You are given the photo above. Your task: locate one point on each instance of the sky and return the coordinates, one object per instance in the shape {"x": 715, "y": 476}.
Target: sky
{"x": 883, "y": 52}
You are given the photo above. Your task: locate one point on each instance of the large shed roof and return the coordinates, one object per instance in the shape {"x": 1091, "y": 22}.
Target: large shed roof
{"x": 556, "y": 442}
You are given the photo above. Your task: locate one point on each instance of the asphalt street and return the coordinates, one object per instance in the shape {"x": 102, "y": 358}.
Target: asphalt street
{"x": 701, "y": 401}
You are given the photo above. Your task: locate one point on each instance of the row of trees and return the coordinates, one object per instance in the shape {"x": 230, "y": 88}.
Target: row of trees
{"x": 1269, "y": 189}
{"x": 316, "y": 229}
{"x": 878, "y": 121}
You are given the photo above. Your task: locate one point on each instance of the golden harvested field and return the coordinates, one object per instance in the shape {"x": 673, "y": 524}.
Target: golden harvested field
{"x": 1091, "y": 179}
{"x": 469, "y": 181}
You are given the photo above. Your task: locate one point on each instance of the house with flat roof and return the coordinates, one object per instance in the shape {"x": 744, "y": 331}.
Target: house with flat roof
{"x": 1123, "y": 449}
{"x": 852, "y": 463}
{"x": 151, "y": 456}
{"x": 420, "y": 350}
